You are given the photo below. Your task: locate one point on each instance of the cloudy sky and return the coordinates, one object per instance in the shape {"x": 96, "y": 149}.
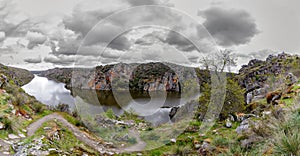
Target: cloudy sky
{"x": 42, "y": 34}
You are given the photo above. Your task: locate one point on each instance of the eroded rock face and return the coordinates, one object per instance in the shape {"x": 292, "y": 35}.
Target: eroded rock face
{"x": 254, "y": 76}
{"x": 141, "y": 77}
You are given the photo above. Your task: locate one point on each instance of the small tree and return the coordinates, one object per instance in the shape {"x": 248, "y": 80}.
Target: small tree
{"x": 219, "y": 92}
{"x": 219, "y": 61}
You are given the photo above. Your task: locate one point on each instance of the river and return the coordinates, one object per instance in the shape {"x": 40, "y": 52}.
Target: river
{"x": 155, "y": 109}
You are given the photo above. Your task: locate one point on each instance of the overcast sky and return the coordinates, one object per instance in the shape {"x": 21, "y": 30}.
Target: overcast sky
{"x": 42, "y": 34}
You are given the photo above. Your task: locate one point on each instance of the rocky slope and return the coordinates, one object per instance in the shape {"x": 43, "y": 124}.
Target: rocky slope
{"x": 19, "y": 76}
{"x": 272, "y": 89}
{"x": 258, "y": 74}
{"x": 18, "y": 111}
{"x": 17, "y": 108}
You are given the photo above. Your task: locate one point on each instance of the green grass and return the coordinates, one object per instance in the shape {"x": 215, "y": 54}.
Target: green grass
{"x": 110, "y": 114}
{"x": 71, "y": 119}
{"x": 67, "y": 139}
{"x": 288, "y": 102}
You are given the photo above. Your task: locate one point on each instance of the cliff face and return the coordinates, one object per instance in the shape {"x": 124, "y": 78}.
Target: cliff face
{"x": 19, "y": 76}
{"x": 147, "y": 77}
{"x": 255, "y": 76}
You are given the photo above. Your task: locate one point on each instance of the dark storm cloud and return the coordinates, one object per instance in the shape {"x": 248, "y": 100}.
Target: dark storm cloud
{"x": 120, "y": 43}
{"x": 179, "y": 41}
{"x": 33, "y": 60}
{"x": 229, "y": 27}
{"x": 83, "y": 20}
{"x": 172, "y": 38}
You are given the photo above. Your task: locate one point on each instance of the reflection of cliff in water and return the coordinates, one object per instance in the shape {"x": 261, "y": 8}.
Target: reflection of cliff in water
{"x": 106, "y": 98}
{"x": 92, "y": 103}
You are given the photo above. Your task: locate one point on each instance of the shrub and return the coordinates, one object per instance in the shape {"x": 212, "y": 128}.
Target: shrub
{"x": 63, "y": 108}
{"x": 37, "y": 107}
{"x": 7, "y": 123}
{"x": 19, "y": 100}
{"x": 110, "y": 114}
{"x": 156, "y": 153}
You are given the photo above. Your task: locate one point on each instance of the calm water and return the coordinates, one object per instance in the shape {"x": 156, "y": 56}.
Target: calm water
{"x": 49, "y": 92}
{"x": 89, "y": 102}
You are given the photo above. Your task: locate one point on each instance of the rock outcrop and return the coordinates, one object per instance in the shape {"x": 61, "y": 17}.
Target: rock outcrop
{"x": 254, "y": 76}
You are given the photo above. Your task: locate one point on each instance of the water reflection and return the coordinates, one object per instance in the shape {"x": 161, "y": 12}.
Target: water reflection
{"x": 91, "y": 102}
{"x": 49, "y": 92}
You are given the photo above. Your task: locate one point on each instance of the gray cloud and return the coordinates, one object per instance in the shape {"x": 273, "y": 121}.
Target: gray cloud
{"x": 168, "y": 37}
{"x": 261, "y": 54}
{"x": 179, "y": 41}
{"x": 84, "y": 18}
{"x": 151, "y": 38}
{"x": 120, "y": 43}
{"x": 33, "y": 60}
{"x": 112, "y": 54}
{"x": 35, "y": 39}
{"x": 60, "y": 59}
{"x": 229, "y": 27}
{"x": 2, "y": 36}
{"x": 143, "y": 2}
{"x": 66, "y": 46}
{"x": 9, "y": 24}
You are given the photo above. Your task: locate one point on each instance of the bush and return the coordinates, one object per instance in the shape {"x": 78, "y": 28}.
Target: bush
{"x": 63, "y": 108}
{"x": 7, "y": 123}
{"x": 37, "y": 107}
{"x": 156, "y": 153}
{"x": 18, "y": 100}
{"x": 110, "y": 114}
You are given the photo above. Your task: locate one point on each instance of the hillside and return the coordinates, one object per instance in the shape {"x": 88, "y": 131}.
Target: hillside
{"x": 19, "y": 76}
{"x": 24, "y": 129}
{"x": 260, "y": 115}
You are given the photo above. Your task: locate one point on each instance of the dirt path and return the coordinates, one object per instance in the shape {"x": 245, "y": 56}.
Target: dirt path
{"x": 139, "y": 146}
{"x": 32, "y": 128}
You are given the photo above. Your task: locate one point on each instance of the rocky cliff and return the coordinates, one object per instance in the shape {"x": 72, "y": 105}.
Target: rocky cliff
{"x": 147, "y": 77}
{"x": 259, "y": 77}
